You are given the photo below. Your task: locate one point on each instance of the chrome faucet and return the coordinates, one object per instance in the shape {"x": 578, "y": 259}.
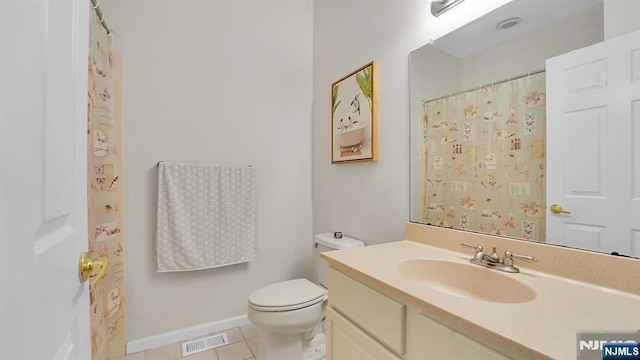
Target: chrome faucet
{"x": 492, "y": 260}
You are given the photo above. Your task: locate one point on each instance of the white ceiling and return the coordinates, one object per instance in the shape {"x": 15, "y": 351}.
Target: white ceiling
{"x": 482, "y": 33}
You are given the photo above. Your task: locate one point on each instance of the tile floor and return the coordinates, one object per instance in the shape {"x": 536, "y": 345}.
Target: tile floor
{"x": 243, "y": 345}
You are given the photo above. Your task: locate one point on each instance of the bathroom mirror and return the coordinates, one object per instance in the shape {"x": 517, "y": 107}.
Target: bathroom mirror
{"x": 461, "y": 78}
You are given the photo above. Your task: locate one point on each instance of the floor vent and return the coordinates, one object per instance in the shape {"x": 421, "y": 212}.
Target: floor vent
{"x": 204, "y": 344}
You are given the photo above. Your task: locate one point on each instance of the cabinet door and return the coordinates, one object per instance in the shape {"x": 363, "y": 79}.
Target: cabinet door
{"x": 378, "y": 314}
{"x": 429, "y": 339}
{"x": 346, "y": 341}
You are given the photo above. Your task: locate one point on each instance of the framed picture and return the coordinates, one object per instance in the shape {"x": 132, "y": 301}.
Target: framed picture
{"x": 354, "y": 116}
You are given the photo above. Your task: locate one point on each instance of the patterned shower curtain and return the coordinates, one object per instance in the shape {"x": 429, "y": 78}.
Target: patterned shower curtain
{"x": 483, "y": 159}
{"x": 105, "y": 194}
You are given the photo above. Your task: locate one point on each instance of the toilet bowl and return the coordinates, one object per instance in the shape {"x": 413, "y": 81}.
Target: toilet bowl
{"x": 290, "y": 314}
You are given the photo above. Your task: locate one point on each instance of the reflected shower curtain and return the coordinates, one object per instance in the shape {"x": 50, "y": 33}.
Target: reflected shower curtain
{"x": 105, "y": 194}
{"x": 483, "y": 159}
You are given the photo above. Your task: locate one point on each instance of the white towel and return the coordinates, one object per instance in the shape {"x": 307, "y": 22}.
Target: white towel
{"x": 207, "y": 216}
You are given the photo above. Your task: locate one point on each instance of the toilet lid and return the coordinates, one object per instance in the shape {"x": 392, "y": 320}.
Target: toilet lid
{"x": 287, "y": 295}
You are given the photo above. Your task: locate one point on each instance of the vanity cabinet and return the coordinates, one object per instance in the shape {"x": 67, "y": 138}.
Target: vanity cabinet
{"x": 364, "y": 323}
{"x": 345, "y": 340}
{"x": 430, "y": 339}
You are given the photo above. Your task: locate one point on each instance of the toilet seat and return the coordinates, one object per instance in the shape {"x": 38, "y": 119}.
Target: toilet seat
{"x": 287, "y": 296}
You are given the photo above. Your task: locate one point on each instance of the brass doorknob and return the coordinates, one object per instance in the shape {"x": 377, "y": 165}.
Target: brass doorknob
{"x": 87, "y": 266}
{"x": 557, "y": 209}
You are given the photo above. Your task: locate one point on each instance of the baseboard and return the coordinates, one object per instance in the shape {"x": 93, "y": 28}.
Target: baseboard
{"x": 175, "y": 336}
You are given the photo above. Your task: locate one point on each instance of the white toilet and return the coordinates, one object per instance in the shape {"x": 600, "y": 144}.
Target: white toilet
{"x": 291, "y": 313}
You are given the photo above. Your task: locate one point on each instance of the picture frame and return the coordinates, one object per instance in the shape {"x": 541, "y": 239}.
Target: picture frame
{"x": 354, "y": 116}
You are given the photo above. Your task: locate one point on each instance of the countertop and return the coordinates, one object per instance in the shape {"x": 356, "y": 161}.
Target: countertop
{"x": 545, "y": 327}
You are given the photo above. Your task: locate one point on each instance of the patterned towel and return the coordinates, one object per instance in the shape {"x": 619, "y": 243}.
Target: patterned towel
{"x": 207, "y": 216}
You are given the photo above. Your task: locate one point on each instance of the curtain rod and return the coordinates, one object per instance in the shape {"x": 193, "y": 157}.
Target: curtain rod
{"x": 96, "y": 7}
{"x": 485, "y": 85}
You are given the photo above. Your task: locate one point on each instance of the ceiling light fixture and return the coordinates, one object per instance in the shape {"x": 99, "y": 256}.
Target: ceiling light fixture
{"x": 440, "y": 6}
{"x": 509, "y": 23}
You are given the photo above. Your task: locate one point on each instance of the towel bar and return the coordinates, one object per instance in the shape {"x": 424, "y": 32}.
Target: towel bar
{"x": 158, "y": 164}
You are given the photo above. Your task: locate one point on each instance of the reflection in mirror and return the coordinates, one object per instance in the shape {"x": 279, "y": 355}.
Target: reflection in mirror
{"x": 478, "y": 146}
{"x": 482, "y": 159}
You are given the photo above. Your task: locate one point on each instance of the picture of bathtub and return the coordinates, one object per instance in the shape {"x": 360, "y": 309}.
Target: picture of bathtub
{"x": 352, "y": 136}
{"x": 354, "y": 118}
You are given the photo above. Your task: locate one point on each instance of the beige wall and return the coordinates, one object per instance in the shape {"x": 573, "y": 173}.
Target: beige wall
{"x": 224, "y": 83}
{"x": 368, "y": 201}
{"x": 621, "y": 17}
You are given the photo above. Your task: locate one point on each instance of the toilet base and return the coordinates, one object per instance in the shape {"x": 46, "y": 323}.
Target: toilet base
{"x": 275, "y": 346}
{"x": 317, "y": 348}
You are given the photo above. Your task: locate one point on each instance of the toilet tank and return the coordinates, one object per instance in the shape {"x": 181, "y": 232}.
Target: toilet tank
{"x": 327, "y": 242}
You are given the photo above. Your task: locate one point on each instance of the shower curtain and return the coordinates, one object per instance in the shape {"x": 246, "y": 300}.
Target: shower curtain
{"x": 483, "y": 159}
{"x": 108, "y": 338}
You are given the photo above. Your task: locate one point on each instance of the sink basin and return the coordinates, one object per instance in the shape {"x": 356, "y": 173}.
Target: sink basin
{"x": 466, "y": 280}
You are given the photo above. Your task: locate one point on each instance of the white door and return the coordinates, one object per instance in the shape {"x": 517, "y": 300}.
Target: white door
{"x": 593, "y": 146}
{"x": 44, "y": 308}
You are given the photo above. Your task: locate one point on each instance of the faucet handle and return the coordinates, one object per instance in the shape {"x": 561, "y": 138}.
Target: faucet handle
{"x": 478, "y": 254}
{"x": 476, "y": 247}
{"x": 509, "y": 256}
